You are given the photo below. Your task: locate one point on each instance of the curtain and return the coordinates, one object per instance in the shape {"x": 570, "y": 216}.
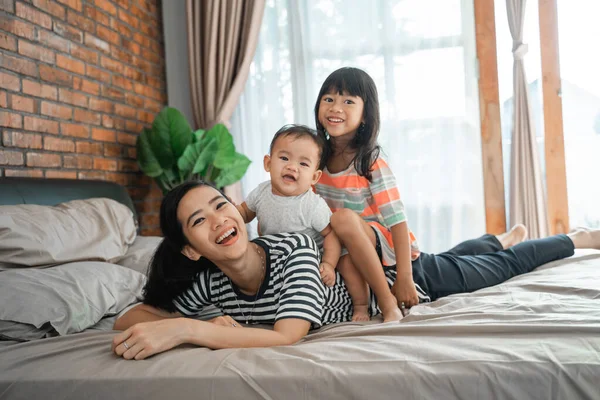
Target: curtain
{"x": 425, "y": 68}
{"x": 527, "y": 200}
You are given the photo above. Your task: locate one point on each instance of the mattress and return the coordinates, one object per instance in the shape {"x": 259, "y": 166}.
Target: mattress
{"x": 536, "y": 336}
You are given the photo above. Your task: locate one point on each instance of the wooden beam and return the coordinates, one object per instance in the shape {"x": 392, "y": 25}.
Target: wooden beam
{"x": 556, "y": 176}
{"x": 489, "y": 110}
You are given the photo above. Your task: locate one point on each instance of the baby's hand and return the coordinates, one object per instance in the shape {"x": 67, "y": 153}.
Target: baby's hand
{"x": 327, "y": 274}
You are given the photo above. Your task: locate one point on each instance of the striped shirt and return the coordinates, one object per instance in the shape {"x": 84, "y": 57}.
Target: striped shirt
{"x": 376, "y": 201}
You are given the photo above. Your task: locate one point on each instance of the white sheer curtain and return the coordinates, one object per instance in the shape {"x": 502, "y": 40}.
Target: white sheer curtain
{"x": 421, "y": 54}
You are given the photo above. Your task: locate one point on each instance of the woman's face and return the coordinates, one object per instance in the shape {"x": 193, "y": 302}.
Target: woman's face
{"x": 213, "y": 226}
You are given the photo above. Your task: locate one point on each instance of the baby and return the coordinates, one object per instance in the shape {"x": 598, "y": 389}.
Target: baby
{"x": 287, "y": 203}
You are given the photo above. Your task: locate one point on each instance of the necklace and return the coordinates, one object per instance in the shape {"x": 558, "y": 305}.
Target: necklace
{"x": 262, "y": 263}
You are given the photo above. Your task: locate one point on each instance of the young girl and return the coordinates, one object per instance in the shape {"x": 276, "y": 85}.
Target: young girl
{"x": 369, "y": 217}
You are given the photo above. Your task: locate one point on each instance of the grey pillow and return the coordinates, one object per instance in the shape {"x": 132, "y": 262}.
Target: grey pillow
{"x": 64, "y": 299}
{"x": 139, "y": 254}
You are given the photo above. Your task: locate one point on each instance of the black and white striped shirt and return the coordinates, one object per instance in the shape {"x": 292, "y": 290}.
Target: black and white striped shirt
{"x": 292, "y": 288}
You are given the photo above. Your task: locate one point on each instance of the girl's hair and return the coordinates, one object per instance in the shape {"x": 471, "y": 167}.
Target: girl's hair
{"x": 355, "y": 82}
{"x": 170, "y": 273}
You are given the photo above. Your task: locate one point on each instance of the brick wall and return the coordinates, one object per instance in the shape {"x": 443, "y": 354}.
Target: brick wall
{"x": 79, "y": 79}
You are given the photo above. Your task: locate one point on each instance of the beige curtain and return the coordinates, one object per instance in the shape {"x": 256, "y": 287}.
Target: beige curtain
{"x": 222, "y": 39}
{"x": 527, "y": 199}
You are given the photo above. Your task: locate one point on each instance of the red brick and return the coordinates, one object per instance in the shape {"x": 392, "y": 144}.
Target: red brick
{"x": 112, "y": 65}
{"x": 106, "y": 6}
{"x": 93, "y": 41}
{"x": 40, "y": 125}
{"x": 23, "y": 140}
{"x": 7, "y": 5}
{"x": 81, "y": 22}
{"x": 105, "y": 164}
{"x": 144, "y": 231}
{"x": 85, "y": 85}
{"x": 73, "y": 98}
{"x": 39, "y": 90}
{"x": 90, "y": 148}
{"x": 132, "y": 47}
{"x": 101, "y": 105}
{"x": 123, "y": 56}
{"x": 138, "y": 13}
{"x": 24, "y": 104}
{"x": 10, "y": 120}
{"x": 134, "y": 100}
{"x": 97, "y": 74}
{"x": 20, "y": 65}
{"x": 10, "y": 82}
{"x": 150, "y": 220}
{"x": 50, "y": 7}
{"x": 68, "y": 32}
{"x": 122, "y": 28}
{"x": 148, "y": 30}
{"x": 58, "y": 144}
{"x": 128, "y": 19}
{"x": 57, "y": 110}
{"x": 108, "y": 35}
{"x": 149, "y": 206}
{"x": 145, "y": 116}
{"x": 134, "y": 74}
{"x": 128, "y": 166}
{"x": 11, "y": 157}
{"x": 93, "y": 175}
{"x": 103, "y": 135}
{"x": 154, "y": 82}
{"x": 43, "y": 160}
{"x": 123, "y": 3}
{"x": 132, "y": 152}
{"x": 78, "y": 161}
{"x": 52, "y": 174}
{"x": 141, "y": 39}
{"x": 124, "y": 111}
{"x": 123, "y": 83}
{"x": 33, "y": 15}
{"x": 127, "y": 138}
{"x": 3, "y": 100}
{"x": 137, "y": 193}
{"x": 119, "y": 123}
{"x": 113, "y": 93}
{"x": 70, "y": 64}
{"x": 113, "y": 150}
{"x": 133, "y": 126}
{"x": 74, "y": 130}
{"x": 84, "y": 54}
{"x": 54, "y": 41}
{"x": 55, "y": 75}
{"x": 108, "y": 121}
{"x": 96, "y": 15}
{"x": 74, "y": 4}
{"x": 38, "y": 52}
{"x": 152, "y": 105}
{"x": 24, "y": 173}
{"x": 86, "y": 116}
{"x": 7, "y": 42}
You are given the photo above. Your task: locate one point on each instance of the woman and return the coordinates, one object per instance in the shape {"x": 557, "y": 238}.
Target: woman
{"x": 271, "y": 280}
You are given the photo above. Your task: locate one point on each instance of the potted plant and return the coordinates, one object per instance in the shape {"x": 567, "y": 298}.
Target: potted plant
{"x": 172, "y": 153}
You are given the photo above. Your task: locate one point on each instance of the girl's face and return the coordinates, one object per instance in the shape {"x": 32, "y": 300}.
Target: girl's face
{"x": 341, "y": 114}
{"x": 212, "y": 225}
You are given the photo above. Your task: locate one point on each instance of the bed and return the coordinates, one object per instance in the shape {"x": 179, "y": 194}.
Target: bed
{"x": 536, "y": 336}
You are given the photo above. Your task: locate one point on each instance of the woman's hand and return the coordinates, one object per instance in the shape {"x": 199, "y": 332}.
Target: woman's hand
{"x": 148, "y": 338}
{"x": 327, "y": 274}
{"x": 406, "y": 293}
{"x": 225, "y": 320}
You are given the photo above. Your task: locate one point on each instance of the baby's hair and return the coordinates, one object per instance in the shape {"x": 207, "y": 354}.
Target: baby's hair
{"x": 355, "y": 82}
{"x": 301, "y": 131}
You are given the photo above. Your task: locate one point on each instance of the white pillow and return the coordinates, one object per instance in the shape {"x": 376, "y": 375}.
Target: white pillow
{"x": 39, "y": 236}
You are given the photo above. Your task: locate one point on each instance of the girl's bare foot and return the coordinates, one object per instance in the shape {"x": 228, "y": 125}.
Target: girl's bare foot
{"x": 361, "y": 313}
{"x": 584, "y": 238}
{"x": 516, "y": 235}
{"x": 389, "y": 309}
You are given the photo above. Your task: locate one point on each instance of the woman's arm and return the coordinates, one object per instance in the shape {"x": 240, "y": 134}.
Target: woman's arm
{"x": 141, "y": 313}
{"x": 149, "y": 338}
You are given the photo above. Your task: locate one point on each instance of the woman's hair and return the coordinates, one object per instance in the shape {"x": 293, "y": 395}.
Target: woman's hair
{"x": 170, "y": 273}
{"x": 355, "y": 82}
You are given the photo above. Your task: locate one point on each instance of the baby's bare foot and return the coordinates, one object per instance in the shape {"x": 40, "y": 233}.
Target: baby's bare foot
{"x": 361, "y": 313}
{"x": 584, "y": 238}
{"x": 389, "y": 309}
{"x": 516, "y": 235}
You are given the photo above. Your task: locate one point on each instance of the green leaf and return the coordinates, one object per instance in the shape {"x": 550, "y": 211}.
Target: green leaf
{"x": 198, "y": 135}
{"x": 147, "y": 161}
{"x": 234, "y": 171}
{"x": 197, "y": 157}
{"x": 226, "y": 150}
{"x": 170, "y": 135}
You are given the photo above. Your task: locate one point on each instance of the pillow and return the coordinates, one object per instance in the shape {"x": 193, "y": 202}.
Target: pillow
{"x": 39, "y": 236}
{"x": 64, "y": 299}
{"x": 139, "y": 254}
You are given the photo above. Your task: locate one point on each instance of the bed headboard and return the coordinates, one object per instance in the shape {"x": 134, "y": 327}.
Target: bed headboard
{"x": 50, "y": 192}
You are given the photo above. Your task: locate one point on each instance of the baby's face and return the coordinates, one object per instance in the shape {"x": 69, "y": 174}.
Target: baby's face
{"x": 293, "y": 165}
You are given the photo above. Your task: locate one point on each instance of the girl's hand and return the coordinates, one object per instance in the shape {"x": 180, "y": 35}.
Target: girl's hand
{"x": 406, "y": 293}
{"x": 327, "y": 274}
{"x": 148, "y": 338}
